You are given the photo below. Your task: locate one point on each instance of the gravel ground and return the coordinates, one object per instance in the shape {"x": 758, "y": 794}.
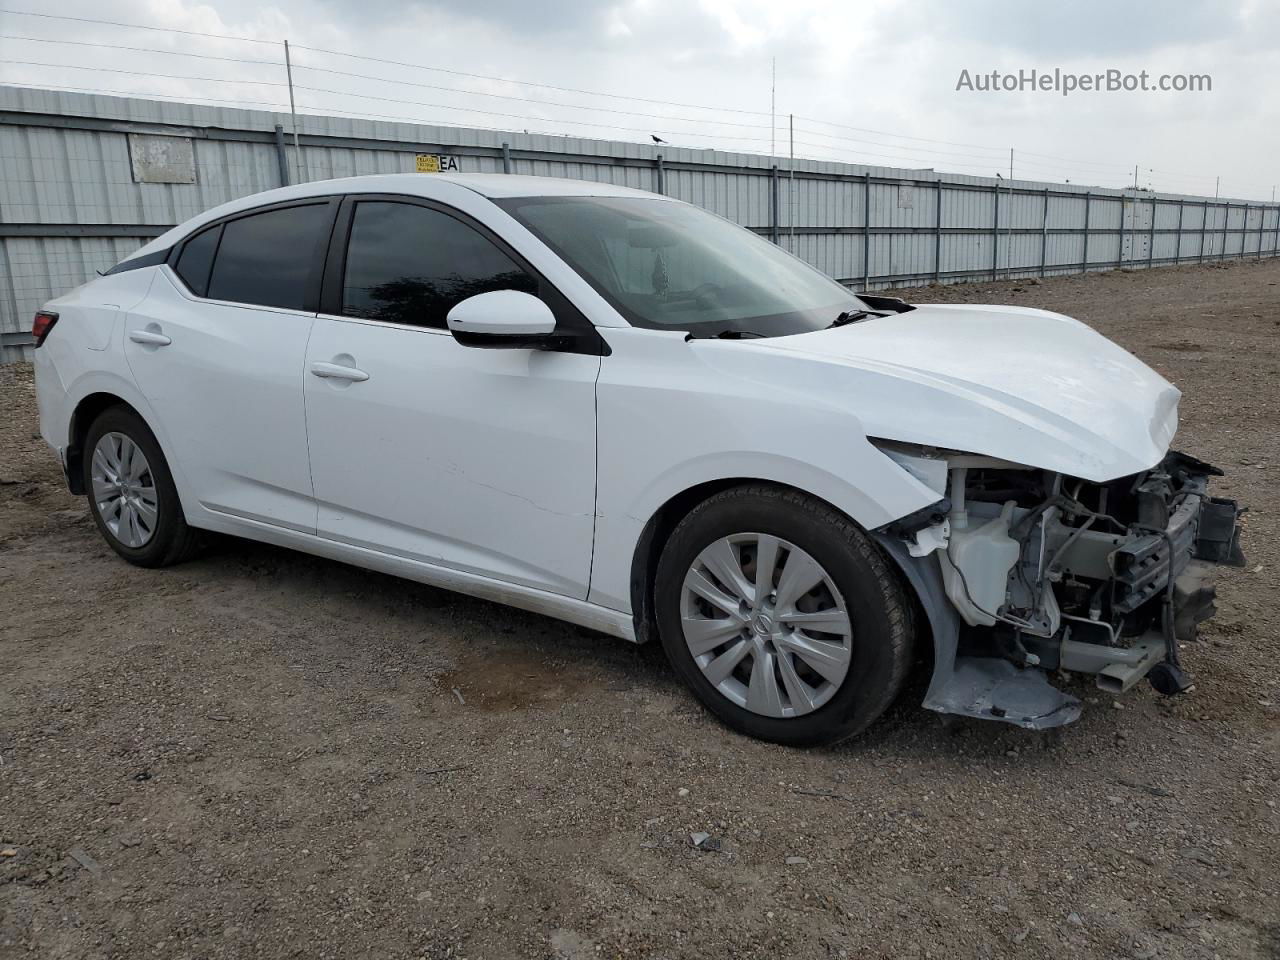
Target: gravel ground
{"x": 263, "y": 754}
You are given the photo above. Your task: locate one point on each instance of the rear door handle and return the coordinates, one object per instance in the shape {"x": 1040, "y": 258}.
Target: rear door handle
{"x": 336, "y": 371}
{"x": 152, "y": 337}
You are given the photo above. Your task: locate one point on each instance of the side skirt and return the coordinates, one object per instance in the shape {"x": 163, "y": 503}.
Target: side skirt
{"x": 580, "y": 612}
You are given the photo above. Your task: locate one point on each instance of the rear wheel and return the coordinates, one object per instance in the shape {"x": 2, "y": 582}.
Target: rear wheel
{"x": 782, "y": 616}
{"x": 131, "y": 492}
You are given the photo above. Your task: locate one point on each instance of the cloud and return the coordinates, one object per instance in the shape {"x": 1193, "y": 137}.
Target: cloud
{"x": 875, "y": 65}
{"x": 1082, "y": 28}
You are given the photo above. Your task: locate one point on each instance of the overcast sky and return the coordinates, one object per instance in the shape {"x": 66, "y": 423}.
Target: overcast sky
{"x": 888, "y": 69}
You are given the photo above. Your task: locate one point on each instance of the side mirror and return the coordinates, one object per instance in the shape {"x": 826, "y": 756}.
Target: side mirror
{"x": 503, "y": 318}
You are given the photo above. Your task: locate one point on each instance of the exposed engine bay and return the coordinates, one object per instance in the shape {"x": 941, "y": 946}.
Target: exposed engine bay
{"x": 1050, "y": 572}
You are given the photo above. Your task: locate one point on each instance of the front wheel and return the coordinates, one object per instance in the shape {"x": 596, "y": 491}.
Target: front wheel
{"x": 782, "y": 616}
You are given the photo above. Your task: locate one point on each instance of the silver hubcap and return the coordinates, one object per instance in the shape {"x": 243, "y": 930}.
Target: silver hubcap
{"x": 124, "y": 490}
{"x": 766, "y": 625}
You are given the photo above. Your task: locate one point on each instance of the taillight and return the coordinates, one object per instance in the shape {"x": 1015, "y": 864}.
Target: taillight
{"x": 42, "y": 324}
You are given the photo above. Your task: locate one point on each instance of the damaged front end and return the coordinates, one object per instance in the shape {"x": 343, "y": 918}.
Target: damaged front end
{"x": 1024, "y": 573}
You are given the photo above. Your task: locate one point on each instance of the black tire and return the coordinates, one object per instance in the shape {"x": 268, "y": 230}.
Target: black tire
{"x": 882, "y": 630}
{"x": 172, "y": 541}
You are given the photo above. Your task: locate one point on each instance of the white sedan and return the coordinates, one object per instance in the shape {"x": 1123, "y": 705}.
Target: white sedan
{"x": 620, "y": 410}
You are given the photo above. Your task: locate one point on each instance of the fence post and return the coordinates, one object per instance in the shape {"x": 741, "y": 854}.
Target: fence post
{"x": 1151, "y": 233}
{"x": 1044, "y": 232}
{"x": 995, "y": 233}
{"x": 1084, "y": 261}
{"x": 1275, "y": 244}
{"x": 1123, "y": 235}
{"x": 1262, "y": 218}
{"x": 660, "y": 174}
{"x": 1204, "y": 222}
{"x": 937, "y": 239}
{"x": 866, "y": 231}
{"x": 773, "y": 204}
{"x": 282, "y": 159}
{"x": 1177, "y": 250}
{"x": 1008, "y": 236}
{"x": 506, "y": 157}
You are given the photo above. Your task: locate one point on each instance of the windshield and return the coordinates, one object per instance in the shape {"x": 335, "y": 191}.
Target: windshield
{"x": 673, "y": 266}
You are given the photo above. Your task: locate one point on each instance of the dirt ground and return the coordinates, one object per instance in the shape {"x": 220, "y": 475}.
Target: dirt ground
{"x": 261, "y": 754}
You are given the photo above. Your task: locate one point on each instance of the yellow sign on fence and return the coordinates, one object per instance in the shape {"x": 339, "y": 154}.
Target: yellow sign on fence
{"x": 435, "y": 163}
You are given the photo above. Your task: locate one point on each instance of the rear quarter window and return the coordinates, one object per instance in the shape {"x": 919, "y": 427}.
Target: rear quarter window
{"x": 196, "y": 260}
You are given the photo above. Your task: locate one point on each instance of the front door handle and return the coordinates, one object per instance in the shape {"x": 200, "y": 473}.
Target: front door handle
{"x": 153, "y": 338}
{"x": 336, "y": 371}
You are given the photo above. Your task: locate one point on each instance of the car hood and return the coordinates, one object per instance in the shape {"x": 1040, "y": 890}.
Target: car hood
{"x": 1024, "y": 385}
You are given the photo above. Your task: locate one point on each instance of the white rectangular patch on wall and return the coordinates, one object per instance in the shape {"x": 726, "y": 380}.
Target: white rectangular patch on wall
{"x": 906, "y": 196}
{"x": 162, "y": 159}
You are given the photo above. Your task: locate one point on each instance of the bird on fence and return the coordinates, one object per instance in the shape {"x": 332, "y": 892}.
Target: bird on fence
{"x": 656, "y": 139}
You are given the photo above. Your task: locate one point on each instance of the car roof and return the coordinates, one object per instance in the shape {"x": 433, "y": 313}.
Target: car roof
{"x": 515, "y": 185}
{"x": 491, "y": 185}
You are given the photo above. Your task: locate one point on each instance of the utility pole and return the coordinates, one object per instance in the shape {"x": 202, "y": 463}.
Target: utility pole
{"x": 791, "y": 217}
{"x": 1135, "y": 177}
{"x": 1216, "y": 182}
{"x": 297, "y": 151}
{"x": 773, "y": 107}
{"x": 1011, "y": 163}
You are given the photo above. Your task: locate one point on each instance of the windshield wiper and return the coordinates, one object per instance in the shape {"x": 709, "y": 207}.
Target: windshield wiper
{"x": 727, "y": 335}
{"x": 851, "y": 316}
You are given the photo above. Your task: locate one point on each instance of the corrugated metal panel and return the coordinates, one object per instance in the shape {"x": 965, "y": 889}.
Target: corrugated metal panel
{"x": 65, "y": 165}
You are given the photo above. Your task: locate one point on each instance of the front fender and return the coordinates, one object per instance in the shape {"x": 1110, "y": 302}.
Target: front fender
{"x": 674, "y": 415}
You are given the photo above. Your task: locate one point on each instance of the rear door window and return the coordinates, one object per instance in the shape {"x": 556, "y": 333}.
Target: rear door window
{"x": 268, "y": 259}
{"x": 410, "y": 264}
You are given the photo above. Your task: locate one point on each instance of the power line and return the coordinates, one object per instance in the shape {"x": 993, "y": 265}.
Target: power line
{"x": 901, "y": 136}
{"x": 1111, "y": 165}
{"x": 135, "y": 94}
{"x": 133, "y": 26}
{"x": 895, "y": 146}
{"x": 530, "y": 83}
{"x": 117, "y": 46}
{"x": 380, "y": 97}
{"x": 398, "y": 82}
{"x": 518, "y": 116}
{"x": 844, "y": 158}
{"x": 398, "y": 63}
{"x": 550, "y": 103}
{"x": 283, "y": 107}
{"x": 145, "y": 73}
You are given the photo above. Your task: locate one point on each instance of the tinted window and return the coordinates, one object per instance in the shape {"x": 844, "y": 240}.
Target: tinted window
{"x": 408, "y": 264}
{"x": 267, "y": 258}
{"x": 672, "y": 266}
{"x": 196, "y": 259}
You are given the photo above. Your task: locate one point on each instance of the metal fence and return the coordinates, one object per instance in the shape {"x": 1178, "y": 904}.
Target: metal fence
{"x": 86, "y": 179}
